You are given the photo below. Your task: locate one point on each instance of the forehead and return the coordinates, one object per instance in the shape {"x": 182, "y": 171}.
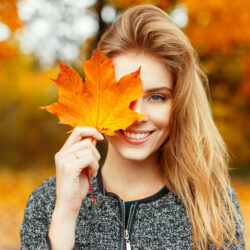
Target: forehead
{"x": 154, "y": 72}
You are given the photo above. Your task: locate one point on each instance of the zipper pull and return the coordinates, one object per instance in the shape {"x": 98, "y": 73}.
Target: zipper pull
{"x": 126, "y": 236}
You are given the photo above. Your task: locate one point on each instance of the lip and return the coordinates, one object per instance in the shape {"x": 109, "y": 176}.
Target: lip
{"x": 135, "y": 141}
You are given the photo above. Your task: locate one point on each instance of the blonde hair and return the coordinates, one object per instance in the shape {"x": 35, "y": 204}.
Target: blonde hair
{"x": 195, "y": 159}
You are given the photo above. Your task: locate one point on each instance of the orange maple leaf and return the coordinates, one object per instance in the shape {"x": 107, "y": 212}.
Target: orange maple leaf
{"x": 100, "y": 102}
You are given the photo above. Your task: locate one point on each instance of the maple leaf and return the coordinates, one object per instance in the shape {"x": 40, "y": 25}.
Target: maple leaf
{"x": 100, "y": 102}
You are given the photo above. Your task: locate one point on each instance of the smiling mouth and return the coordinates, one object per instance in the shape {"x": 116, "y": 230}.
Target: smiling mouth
{"x": 136, "y": 135}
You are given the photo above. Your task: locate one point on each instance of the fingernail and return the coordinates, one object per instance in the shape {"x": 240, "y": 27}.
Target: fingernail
{"x": 101, "y": 136}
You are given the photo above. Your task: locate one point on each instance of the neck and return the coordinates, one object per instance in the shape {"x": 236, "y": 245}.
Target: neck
{"x": 130, "y": 179}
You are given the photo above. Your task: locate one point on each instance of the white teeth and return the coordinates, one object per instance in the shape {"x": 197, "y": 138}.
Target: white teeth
{"x": 135, "y": 136}
{"x": 139, "y": 136}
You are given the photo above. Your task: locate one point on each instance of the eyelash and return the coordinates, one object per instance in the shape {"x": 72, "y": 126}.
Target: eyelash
{"x": 163, "y": 98}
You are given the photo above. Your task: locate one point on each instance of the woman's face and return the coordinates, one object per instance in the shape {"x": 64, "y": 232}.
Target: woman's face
{"x": 157, "y": 83}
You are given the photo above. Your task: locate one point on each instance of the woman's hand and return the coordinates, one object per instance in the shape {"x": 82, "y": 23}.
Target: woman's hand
{"x": 71, "y": 162}
{"x": 72, "y": 185}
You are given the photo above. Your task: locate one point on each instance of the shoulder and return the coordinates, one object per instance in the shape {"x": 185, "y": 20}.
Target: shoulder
{"x": 236, "y": 204}
{"x": 37, "y": 215}
{"x": 235, "y": 199}
{"x": 46, "y": 188}
{"x": 43, "y": 194}
{"x": 239, "y": 222}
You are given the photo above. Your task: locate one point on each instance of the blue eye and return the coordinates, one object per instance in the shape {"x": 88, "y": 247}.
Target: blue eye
{"x": 158, "y": 98}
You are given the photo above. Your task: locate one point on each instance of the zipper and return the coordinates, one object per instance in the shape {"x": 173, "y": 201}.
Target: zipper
{"x": 126, "y": 230}
{"x": 126, "y": 236}
{"x": 125, "y": 242}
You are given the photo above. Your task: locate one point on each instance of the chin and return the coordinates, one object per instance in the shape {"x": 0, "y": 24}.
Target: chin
{"x": 134, "y": 155}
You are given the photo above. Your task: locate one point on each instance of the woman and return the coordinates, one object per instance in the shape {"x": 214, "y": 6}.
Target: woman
{"x": 165, "y": 181}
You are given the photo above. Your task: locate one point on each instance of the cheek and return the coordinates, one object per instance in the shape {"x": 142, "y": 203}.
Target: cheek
{"x": 112, "y": 139}
{"x": 161, "y": 116}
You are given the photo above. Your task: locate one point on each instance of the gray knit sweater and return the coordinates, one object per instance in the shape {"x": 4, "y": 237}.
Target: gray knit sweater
{"x": 158, "y": 222}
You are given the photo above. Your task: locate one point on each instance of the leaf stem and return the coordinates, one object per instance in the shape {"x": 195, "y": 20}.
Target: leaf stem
{"x": 87, "y": 172}
{"x": 93, "y": 198}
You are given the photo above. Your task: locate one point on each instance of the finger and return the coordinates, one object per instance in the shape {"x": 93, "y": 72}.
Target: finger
{"x": 80, "y": 146}
{"x": 80, "y": 132}
{"x": 84, "y": 153}
{"x": 92, "y": 140}
{"x": 67, "y": 159}
{"x": 88, "y": 161}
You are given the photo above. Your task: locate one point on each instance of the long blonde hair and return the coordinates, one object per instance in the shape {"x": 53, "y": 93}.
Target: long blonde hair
{"x": 195, "y": 159}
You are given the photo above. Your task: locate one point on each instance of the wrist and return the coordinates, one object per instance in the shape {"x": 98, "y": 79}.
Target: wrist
{"x": 62, "y": 212}
{"x": 62, "y": 229}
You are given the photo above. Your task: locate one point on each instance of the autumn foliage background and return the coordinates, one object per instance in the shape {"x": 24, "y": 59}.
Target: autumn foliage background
{"x": 219, "y": 31}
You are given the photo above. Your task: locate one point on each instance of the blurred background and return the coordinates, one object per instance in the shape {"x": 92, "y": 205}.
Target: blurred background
{"x": 36, "y": 34}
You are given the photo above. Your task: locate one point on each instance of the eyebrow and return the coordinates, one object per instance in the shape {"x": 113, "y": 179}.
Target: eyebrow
{"x": 158, "y": 89}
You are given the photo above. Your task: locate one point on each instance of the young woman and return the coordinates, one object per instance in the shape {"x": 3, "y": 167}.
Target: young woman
{"x": 165, "y": 181}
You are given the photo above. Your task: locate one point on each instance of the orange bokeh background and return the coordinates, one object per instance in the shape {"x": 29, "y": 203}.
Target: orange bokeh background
{"x": 218, "y": 30}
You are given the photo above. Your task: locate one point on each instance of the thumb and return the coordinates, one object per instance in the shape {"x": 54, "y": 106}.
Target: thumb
{"x": 92, "y": 140}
